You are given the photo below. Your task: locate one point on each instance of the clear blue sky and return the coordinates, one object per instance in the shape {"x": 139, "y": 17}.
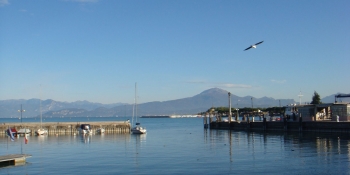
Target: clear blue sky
{"x": 96, "y": 50}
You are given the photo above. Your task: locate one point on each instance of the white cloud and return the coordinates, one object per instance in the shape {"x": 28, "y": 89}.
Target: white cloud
{"x": 278, "y": 81}
{"x": 4, "y": 2}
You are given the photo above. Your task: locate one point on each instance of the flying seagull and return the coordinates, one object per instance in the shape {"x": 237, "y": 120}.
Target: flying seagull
{"x": 254, "y": 45}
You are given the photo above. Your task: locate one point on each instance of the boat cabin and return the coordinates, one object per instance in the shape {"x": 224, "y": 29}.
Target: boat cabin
{"x": 85, "y": 126}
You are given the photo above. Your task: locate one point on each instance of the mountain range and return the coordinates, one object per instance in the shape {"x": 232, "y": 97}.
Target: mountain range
{"x": 214, "y": 97}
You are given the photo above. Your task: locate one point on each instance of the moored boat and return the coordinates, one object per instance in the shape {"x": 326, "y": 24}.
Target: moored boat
{"x": 24, "y": 131}
{"x": 13, "y": 132}
{"x": 41, "y": 131}
{"x": 100, "y": 130}
{"x": 137, "y": 129}
{"x": 84, "y": 129}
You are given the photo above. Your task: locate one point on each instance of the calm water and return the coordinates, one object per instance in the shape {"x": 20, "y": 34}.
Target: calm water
{"x": 181, "y": 146}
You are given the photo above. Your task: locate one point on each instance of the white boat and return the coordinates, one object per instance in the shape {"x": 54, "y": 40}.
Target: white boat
{"x": 100, "y": 130}
{"x": 137, "y": 129}
{"x": 84, "y": 129}
{"x": 41, "y": 130}
{"x": 24, "y": 131}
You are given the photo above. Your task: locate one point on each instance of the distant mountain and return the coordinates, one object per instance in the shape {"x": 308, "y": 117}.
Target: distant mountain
{"x": 331, "y": 98}
{"x": 9, "y": 108}
{"x": 212, "y": 97}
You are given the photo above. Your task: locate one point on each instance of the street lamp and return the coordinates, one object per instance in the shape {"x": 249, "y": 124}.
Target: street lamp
{"x": 237, "y": 116}
{"x": 229, "y": 104}
{"x": 21, "y": 111}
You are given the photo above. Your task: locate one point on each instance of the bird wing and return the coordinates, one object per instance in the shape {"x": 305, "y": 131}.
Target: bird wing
{"x": 248, "y": 48}
{"x": 259, "y": 42}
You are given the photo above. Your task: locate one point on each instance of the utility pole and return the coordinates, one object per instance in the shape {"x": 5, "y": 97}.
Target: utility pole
{"x": 21, "y": 111}
{"x": 300, "y": 98}
{"x": 280, "y": 102}
{"x": 229, "y": 102}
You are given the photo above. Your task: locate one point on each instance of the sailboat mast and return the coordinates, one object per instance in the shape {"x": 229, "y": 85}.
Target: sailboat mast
{"x": 41, "y": 116}
{"x": 136, "y": 102}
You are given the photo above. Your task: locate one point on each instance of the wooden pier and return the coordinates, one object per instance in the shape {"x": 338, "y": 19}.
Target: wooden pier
{"x": 13, "y": 159}
{"x": 63, "y": 128}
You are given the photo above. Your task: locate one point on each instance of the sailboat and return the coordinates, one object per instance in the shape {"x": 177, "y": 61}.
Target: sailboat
{"x": 137, "y": 129}
{"x": 41, "y": 130}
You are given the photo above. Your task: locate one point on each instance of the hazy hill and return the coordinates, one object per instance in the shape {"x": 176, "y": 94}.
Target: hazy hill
{"x": 191, "y": 105}
{"x": 9, "y": 108}
{"x": 331, "y": 99}
{"x": 214, "y": 97}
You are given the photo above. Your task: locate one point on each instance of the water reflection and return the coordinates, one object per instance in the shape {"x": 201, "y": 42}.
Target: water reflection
{"x": 85, "y": 138}
{"x": 139, "y": 138}
{"x": 324, "y": 148}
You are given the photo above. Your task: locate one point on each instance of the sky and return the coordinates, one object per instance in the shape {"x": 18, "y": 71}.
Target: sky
{"x": 96, "y": 50}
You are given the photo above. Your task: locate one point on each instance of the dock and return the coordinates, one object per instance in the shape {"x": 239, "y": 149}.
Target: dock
{"x": 13, "y": 159}
{"x": 283, "y": 126}
{"x": 68, "y": 128}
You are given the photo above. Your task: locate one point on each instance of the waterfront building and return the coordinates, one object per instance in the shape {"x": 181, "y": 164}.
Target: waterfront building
{"x": 318, "y": 112}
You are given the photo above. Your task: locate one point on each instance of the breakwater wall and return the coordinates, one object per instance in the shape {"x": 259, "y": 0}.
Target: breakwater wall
{"x": 281, "y": 126}
{"x": 68, "y": 127}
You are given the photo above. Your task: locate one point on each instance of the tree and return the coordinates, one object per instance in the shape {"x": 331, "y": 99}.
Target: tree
{"x": 316, "y": 99}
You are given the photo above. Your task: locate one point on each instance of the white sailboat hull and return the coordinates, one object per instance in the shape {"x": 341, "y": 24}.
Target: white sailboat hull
{"x": 138, "y": 130}
{"x": 100, "y": 130}
{"x": 41, "y": 131}
{"x": 24, "y": 131}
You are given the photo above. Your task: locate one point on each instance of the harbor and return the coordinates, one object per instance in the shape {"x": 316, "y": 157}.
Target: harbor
{"x": 327, "y": 117}
{"x": 62, "y": 128}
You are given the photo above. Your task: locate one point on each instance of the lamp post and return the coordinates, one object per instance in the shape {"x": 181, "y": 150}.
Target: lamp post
{"x": 21, "y": 111}
{"x": 237, "y": 116}
{"x": 229, "y": 102}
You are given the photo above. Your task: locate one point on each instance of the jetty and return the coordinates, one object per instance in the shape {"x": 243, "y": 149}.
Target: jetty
{"x": 282, "y": 126}
{"x": 13, "y": 159}
{"x": 68, "y": 128}
{"x": 325, "y": 117}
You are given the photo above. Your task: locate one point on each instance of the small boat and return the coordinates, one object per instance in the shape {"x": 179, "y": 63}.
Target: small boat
{"x": 84, "y": 129}
{"x": 24, "y": 131}
{"x": 13, "y": 131}
{"x": 138, "y": 129}
{"x": 41, "y": 130}
{"x": 100, "y": 130}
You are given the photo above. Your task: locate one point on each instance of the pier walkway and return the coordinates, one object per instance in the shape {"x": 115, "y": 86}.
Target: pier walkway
{"x": 69, "y": 127}
{"x": 13, "y": 159}
{"x": 281, "y": 126}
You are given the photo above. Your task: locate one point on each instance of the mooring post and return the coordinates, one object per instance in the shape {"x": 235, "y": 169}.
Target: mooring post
{"x": 229, "y": 108}
{"x": 300, "y": 123}
{"x": 248, "y": 122}
{"x": 285, "y": 123}
{"x": 264, "y": 123}
{"x": 206, "y": 120}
